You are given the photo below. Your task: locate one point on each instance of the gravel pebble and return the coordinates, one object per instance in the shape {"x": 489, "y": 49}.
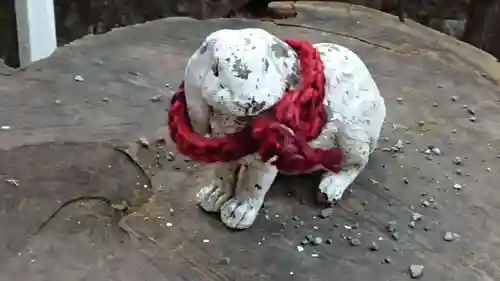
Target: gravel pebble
{"x": 458, "y": 161}
{"x": 391, "y": 226}
{"x": 374, "y": 247}
{"x": 156, "y": 98}
{"x": 417, "y": 216}
{"x": 355, "y": 242}
{"x": 143, "y": 141}
{"x": 317, "y": 241}
{"x": 395, "y": 236}
{"x": 170, "y": 156}
{"x": 416, "y": 270}
{"x": 450, "y": 236}
{"x": 325, "y": 213}
{"x": 78, "y": 78}
{"x": 436, "y": 151}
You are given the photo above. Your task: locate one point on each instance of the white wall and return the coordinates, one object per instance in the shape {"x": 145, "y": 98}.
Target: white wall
{"x": 36, "y": 29}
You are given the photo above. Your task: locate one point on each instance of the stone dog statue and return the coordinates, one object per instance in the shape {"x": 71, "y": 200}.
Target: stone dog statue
{"x": 253, "y": 106}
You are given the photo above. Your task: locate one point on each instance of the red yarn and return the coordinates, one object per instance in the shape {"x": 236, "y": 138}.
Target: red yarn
{"x": 297, "y": 119}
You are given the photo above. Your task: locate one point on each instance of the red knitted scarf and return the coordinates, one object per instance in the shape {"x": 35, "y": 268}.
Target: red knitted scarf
{"x": 297, "y": 118}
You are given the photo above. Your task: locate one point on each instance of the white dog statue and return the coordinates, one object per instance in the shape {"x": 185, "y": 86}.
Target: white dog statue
{"x": 232, "y": 107}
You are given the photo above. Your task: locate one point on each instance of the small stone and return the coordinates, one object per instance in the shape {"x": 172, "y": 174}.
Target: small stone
{"x": 435, "y": 104}
{"x": 170, "y": 156}
{"x": 458, "y": 172}
{"x": 143, "y": 141}
{"x": 405, "y": 180}
{"x": 58, "y": 101}
{"x": 450, "y": 236}
{"x": 471, "y": 111}
{"x": 386, "y": 260}
{"x": 355, "y": 242}
{"x": 457, "y": 186}
{"x": 295, "y": 218}
{"x": 400, "y": 100}
{"x": 454, "y": 98}
{"x": 374, "y": 247}
{"x": 226, "y": 260}
{"x": 458, "y": 161}
{"x": 78, "y": 78}
{"x": 105, "y": 99}
{"x": 317, "y": 241}
{"x": 5, "y": 127}
{"x": 329, "y": 241}
{"x": 300, "y": 248}
{"x": 156, "y": 98}
{"x": 421, "y": 123}
{"x": 398, "y": 146}
{"x": 309, "y": 238}
{"x": 416, "y": 270}
{"x": 305, "y": 242}
{"x": 436, "y": 151}
{"x": 488, "y": 169}
{"x": 426, "y": 203}
{"x": 395, "y": 235}
{"x": 417, "y": 216}
{"x": 391, "y": 226}
{"x": 473, "y": 118}
{"x": 427, "y": 151}
{"x": 411, "y": 224}
{"x": 325, "y": 213}
{"x": 454, "y": 131}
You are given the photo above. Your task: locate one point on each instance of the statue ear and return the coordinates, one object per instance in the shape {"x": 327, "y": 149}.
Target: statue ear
{"x": 198, "y": 110}
{"x": 198, "y": 66}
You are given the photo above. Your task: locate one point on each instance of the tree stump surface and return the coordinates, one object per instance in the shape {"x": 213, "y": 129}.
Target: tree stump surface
{"x": 66, "y": 114}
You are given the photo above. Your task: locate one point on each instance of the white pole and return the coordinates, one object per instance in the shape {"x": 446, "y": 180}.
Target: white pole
{"x": 36, "y": 29}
